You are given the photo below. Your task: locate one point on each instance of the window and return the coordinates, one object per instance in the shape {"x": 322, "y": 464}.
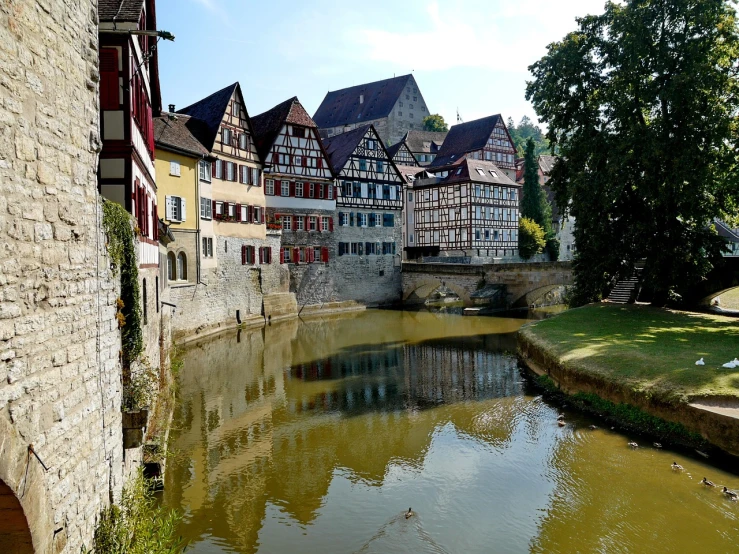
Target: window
{"x": 243, "y": 141}
{"x": 346, "y": 189}
{"x": 287, "y": 223}
{"x": 284, "y": 159}
{"x": 219, "y": 208}
{"x": 410, "y": 238}
{"x": 325, "y": 223}
{"x": 343, "y": 219}
{"x": 298, "y": 190}
{"x": 362, "y": 165}
{"x": 181, "y": 267}
{"x": 410, "y": 196}
{"x": 299, "y": 223}
{"x": 400, "y": 114}
{"x": 285, "y": 188}
{"x": 232, "y": 210}
{"x": 174, "y": 169}
{"x": 388, "y": 220}
{"x": 219, "y": 169}
{"x": 298, "y": 160}
{"x": 378, "y": 220}
{"x": 380, "y": 167}
{"x": 386, "y": 192}
{"x": 285, "y": 255}
{"x": 313, "y": 223}
{"x": 480, "y": 171}
{"x": 357, "y": 190}
{"x": 269, "y": 187}
{"x": 299, "y": 132}
{"x": 311, "y": 190}
{"x": 258, "y": 215}
{"x": 236, "y": 109}
{"x": 361, "y": 220}
{"x": 207, "y": 251}
{"x": 206, "y": 208}
{"x": 204, "y": 170}
{"x": 230, "y": 171}
{"x": 226, "y": 136}
{"x": 320, "y": 191}
{"x": 265, "y": 255}
{"x": 371, "y": 143}
{"x": 171, "y": 267}
{"x": 175, "y": 209}
{"x": 410, "y": 115}
{"x": 487, "y": 234}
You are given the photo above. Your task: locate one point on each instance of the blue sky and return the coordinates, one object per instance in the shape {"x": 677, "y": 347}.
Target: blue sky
{"x": 470, "y": 55}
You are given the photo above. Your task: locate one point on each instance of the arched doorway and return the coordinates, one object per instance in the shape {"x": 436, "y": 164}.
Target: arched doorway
{"x": 15, "y": 536}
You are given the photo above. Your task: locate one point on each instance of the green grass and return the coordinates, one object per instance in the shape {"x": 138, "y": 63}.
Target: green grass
{"x": 649, "y": 350}
{"x": 730, "y": 300}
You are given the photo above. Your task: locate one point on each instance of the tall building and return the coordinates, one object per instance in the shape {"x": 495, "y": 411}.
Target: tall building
{"x": 394, "y": 106}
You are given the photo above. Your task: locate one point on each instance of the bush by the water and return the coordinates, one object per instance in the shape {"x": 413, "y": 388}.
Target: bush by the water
{"x": 531, "y": 238}
{"x": 137, "y": 525}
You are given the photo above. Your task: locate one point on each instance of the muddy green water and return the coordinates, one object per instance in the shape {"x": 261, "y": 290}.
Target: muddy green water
{"x": 316, "y": 436}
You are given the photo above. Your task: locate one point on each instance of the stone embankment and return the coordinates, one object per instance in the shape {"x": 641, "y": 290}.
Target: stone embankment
{"x": 715, "y": 417}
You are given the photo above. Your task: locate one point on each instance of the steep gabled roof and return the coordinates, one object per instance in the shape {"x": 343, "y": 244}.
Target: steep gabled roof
{"x": 417, "y": 141}
{"x": 266, "y": 126}
{"x": 725, "y": 231}
{"x": 120, "y": 10}
{"x": 175, "y": 133}
{"x": 464, "y": 138}
{"x": 340, "y": 147}
{"x": 342, "y": 107}
{"x": 210, "y": 111}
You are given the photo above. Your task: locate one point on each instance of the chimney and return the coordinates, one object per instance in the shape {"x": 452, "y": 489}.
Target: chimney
{"x": 361, "y": 98}
{"x": 171, "y": 108}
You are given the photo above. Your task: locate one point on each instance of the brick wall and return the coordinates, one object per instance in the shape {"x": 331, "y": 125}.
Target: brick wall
{"x": 59, "y": 342}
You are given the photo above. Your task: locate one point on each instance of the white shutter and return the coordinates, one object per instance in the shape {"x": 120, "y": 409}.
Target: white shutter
{"x": 255, "y": 176}
{"x": 378, "y": 193}
{"x": 393, "y": 192}
{"x": 183, "y": 210}
{"x": 364, "y": 190}
{"x": 169, "y": 211}
{"x": 174, "y": 168}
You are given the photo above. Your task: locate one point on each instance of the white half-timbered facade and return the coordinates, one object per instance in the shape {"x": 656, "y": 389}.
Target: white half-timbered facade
{"x": 401, "y": 154}
{"x": 299, "y": 183}
{"x": 467, "y": 209}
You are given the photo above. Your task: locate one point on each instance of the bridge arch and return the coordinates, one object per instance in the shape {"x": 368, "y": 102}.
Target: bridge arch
{"x": 534, "y": 297}
{"x": 424, "y": 288}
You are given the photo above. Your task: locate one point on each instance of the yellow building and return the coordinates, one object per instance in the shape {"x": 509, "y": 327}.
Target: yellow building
{"x": 183, "y": 165}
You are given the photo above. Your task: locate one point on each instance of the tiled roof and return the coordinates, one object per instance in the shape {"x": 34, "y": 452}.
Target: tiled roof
{"x": 210, "y": 111}
{"x": 176, "y": 132}
{"x": 392, "y": 150}
{"x": 340, "y": 147}
{"x": 408, "y": 170}
{"x": 465, "y": 137}
{"x": 267, "y": 125}
{"x": 477, "y": 171}
{"x": 723, "y": 230}
{"x": 546, "y": 163}
{"x": 120, "y": 10}
{"x": 342, "y": 107}
{"x": 426, "y": 142}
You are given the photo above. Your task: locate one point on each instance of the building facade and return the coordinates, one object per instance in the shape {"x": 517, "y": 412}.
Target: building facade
{"x": 424, "y": 145}
{"x": 485, "y": 139}
{"x": 468, "y": 209}
{"x": 394, "y": 106}
{"x": 368, "y": 224}
{"x": 401, "y": 155}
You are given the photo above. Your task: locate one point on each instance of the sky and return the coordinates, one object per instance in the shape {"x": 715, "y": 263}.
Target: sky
{"x": 466, "y": 55}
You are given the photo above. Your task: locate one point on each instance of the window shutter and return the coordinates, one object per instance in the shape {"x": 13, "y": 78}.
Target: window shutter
{"x": 156, "y": 222}
{"x": 295, "y": 223}
{"x": 237, "y": 212}
{"x": 296, "y": 255}
{"x": 168, "y": 208}
{"x": 109, "y": 85}
{"x": 324, "y": 254}
{"x": 282, "y": 255}
{"x": 255, "y": 176}
{"x": 305, "y": 161}
{"x": 371, "y": 220}
{"x": 367, "y": 248}
{"x": 261, "y": 256}
{"x": 307, "y": 223}
{"x": 213, "y": 213}
{"x": 268, "y": 252}
{"x": 292, "y": 188}
{"x": 351, "y": 219}
{"x": 275, "y": 158}
{"x": 250, "y": 215}
{"x": 320, "y": 163}
{"x": 341, "y": 249}
{"x": 261, "y": 213}
{"x": 213, "y": 169}
{"x": 183, "y": 211}
{"x": 331, "y": 224}
{"x": 243, "y": 254}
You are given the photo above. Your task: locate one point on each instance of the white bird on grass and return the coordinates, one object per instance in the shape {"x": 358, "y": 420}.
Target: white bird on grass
{"x": 700, "y": 362}
{"x": 730, "y": 365}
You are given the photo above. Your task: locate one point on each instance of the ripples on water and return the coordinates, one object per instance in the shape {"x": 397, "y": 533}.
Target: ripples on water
{"x": 317, "y": 436}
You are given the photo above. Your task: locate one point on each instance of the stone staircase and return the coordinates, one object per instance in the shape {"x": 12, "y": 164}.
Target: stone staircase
{"x": 280, "y": 305}
{"x": 626, "y": 291}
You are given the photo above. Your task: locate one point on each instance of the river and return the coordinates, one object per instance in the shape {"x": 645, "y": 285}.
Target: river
{"x": 316, "y": 436}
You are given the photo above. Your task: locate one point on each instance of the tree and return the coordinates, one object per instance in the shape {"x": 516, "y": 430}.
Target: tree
{"x": 534, "y": 204}
{"x": 531, "y": 238}
{"x": 641, "y": 103}
{"x": 435, "y": 123}
{"x": 524, "y": 131}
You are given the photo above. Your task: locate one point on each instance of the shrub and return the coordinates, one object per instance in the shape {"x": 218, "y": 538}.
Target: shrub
{"x": 531, "y": 238}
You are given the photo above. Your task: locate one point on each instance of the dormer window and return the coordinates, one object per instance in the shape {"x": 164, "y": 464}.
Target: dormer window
{"x": 494, "y": 174}
{"x": 480, "y": 171}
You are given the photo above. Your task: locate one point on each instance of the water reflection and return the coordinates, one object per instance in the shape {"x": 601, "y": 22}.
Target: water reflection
{"x": 316, "y": 436}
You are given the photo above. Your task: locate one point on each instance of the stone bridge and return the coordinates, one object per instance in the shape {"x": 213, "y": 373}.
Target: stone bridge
{"x": 526, "y": 283}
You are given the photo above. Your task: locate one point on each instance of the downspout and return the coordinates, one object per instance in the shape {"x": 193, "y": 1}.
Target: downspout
{"x": 197, "y": 229}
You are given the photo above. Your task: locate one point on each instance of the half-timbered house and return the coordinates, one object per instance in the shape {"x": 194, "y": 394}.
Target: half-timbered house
{"x": 470, "y": 209}
{"x": 424, "y": 145}
{"x": 400, "y": 154}
{"x": 368, "y": 226}
{"x": 485, "y": 139}
{"x": 299, "y": 186}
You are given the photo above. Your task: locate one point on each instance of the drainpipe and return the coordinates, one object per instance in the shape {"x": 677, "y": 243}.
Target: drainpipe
{"x": 197, "y": 220}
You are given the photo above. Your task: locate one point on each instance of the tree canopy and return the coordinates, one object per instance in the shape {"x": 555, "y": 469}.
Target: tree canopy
{"x": 641, "y": 103}
{"x": 534, "y": 204}
{"x": 524, "y": 131}
{"x": 435, "y": 123}
{"x": 531, "y": 238}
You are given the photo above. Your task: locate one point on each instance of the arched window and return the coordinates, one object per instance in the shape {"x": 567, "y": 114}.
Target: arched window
{"x": 171, "y": 268}
{"x": 182, "y": 266}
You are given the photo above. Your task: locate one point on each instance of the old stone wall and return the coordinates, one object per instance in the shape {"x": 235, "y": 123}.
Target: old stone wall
{"x": 213, "y": 303}
{"x": 59, "y": 343}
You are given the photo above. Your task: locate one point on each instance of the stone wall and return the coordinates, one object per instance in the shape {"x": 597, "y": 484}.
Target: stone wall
{"x": 211, "y": 305}
{"x": 59, "y": 342}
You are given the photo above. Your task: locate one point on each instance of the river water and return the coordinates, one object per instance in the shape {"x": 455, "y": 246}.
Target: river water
{"x": 316, "y": 436}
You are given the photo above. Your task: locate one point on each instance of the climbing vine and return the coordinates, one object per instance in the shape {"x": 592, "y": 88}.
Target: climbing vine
{"x": 121, "y": 246}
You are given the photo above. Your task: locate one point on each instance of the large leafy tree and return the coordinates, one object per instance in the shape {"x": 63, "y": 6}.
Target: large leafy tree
{"x": 435, "y": 122}
{"x": 534, "y": 204}
{"x": 641, "y": 103}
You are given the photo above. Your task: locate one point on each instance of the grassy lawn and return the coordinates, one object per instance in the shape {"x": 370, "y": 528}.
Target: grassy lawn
{"x": 730, "y": 300}
{"x": 647, "y": 349}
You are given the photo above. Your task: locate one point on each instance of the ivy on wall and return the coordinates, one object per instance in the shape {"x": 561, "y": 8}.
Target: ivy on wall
{"x": 121, "y": 246}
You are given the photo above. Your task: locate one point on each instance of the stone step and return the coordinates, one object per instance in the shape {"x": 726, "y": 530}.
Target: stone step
{"x": 279, "y": 305}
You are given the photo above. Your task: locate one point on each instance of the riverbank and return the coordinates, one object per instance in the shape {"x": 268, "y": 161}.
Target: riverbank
{"x": 644, "y": 357}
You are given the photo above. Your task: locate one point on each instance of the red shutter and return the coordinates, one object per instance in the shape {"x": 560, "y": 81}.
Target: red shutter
{"x": 268, "y": 251}
{"x": 213, "y": 214}
{"x": 331, "y": 223}
{"x": 278, "y": 188}
{"x": 324, "y": 254}
{"x": 225, "y": 210}
{"x": 261, "y": 214}
{"x": 296, "y": 255}
{"x": 282, "y": 256}
{"x": 213, "y": 169}
{"x": 261, "y": 256}
{"x": 320, "y": 163}
{"x": 295, "y": 223}
{"x": 292, "y": 188}
{"x": 147, "y": 213}
{"x": 237, "y": 212}
{"x": 109, "y": 85}
{"x": 307, "y": 223}
{"x": 243, "y": 255}
{"x": 305, "y": 161}
{"x": 275, "y": 158}
{"x": 156, "y": 222}
{"x": 250, "y": 216}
